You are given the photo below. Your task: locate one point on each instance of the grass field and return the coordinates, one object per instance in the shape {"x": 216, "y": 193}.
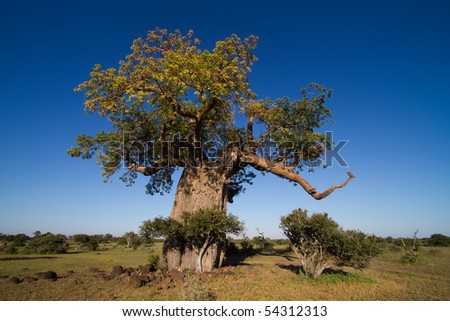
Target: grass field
{"x": 265, "y": 276}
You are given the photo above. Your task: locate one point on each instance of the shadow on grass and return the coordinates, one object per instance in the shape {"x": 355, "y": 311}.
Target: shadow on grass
{"x": 296, "y": 269}
{"x": 238, "y": 258}
{"x": 20, "y": 258}
{"x": 330, "y": 276}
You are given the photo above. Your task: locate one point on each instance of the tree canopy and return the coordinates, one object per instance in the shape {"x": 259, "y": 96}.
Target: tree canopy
{"x": 173, "y": 105}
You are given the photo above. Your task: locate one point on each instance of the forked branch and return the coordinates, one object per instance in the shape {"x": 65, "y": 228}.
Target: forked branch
{"x": 285, "y": 172}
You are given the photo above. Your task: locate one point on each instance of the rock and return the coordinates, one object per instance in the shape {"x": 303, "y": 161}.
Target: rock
{"x": 160, "y": 273}
{"x": 136, "y": 282}
{"x": 29, "y": 279}
{"x": 94, "y": 269}
{"x": 176, "y": 275}
{"x": 117, "y": 270}
{"x": 146, "y": 269}
{"x": 151, "y": 276}
{"x": 103, "y": 276}
{"x": 14, "y": 280}
{"x": 49, "y": 275}
{"x": 144, "y": 278}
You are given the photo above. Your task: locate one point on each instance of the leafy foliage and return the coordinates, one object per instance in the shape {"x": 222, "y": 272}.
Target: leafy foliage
{"x": 47, "y": 243}
{"x": 86, "y": 242}
{"x": 168, "y": 89}
{"x": 160, "y": 227}
{"x": 209, "y": 225}
{"x": 133, "y": 240}
{"x": 320, "y": 243}
{"x": 199, "y": 229}
{"x": 439, "y": 240}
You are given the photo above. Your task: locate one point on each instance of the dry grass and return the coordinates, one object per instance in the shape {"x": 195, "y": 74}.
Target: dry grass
{"x": 266, "y": 276}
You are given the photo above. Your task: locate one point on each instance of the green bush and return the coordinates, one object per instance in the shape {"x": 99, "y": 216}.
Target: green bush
{"x": 86, "y": 242}
{"x": 262, "y": 243}
{"x": 320, "y": 243}
{"x": 153, "y": 259}
{"x": 246, "y": 245}
{"x": 47, "y": 244}
{"x": 439, "y": 240}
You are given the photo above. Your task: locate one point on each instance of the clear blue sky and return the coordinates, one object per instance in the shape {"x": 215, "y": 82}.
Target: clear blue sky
{"x": 387, "y": 61}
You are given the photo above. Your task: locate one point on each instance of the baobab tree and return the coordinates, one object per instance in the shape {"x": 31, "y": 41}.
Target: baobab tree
{"x": 174, "y": 106}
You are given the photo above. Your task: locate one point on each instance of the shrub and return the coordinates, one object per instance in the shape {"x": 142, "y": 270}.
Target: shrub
{"x": 133, "y": 240}
{"x": 47, "y": 244}
{"x": 262, "y": 243}
{"x": 153, "y": 259}
{"x": 411, "y": 250}
{"x": 320, "y": 243}
{"x": 439, "y": 240}
{"x": 246, "y": 245}
{"x": 86, "y": 242}
{"x": 200, "y": 229}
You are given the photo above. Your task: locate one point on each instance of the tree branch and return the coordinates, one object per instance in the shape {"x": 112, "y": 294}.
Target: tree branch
{"x": 285, "y": 172}
{"x": 250, "y": 122}
{"x": 144, "y": 170}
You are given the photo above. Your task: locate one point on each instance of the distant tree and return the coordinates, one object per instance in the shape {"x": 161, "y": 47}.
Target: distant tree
{"x": 47, "y": 243}
{"x": 133, "y": 239}
{"x": 320, "y": 243}
{"x": 107, "y": 237}
{"x": 261, "y": 242}
{"x": 173, "y": 105}
{"x": 85, "y": 242}
{"x": 411, "y": 249}
{"x": 439, "y": 240}
{"x": 20, "y": 239}
{"x": 12, "y": 244}
{"x": 199, "y": 230}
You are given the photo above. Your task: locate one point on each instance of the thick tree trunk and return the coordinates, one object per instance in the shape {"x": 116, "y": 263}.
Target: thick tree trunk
{"x": 198, "y": 188}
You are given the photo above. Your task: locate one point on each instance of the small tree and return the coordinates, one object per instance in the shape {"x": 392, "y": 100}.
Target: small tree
{"x": 411, "y": 249}
{"x": 206, "y": 227}
{"x": 133, "y": 239}
{"x": 199, "y": 230}
{"x": 86, "y": 242}
{"x": 320, "y": 243}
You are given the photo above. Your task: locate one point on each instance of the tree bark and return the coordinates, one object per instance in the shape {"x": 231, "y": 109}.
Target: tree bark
{"x": 199, "y": 187}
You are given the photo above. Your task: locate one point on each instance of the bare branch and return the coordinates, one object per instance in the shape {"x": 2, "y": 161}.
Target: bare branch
{"x": 286, "y": 172}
